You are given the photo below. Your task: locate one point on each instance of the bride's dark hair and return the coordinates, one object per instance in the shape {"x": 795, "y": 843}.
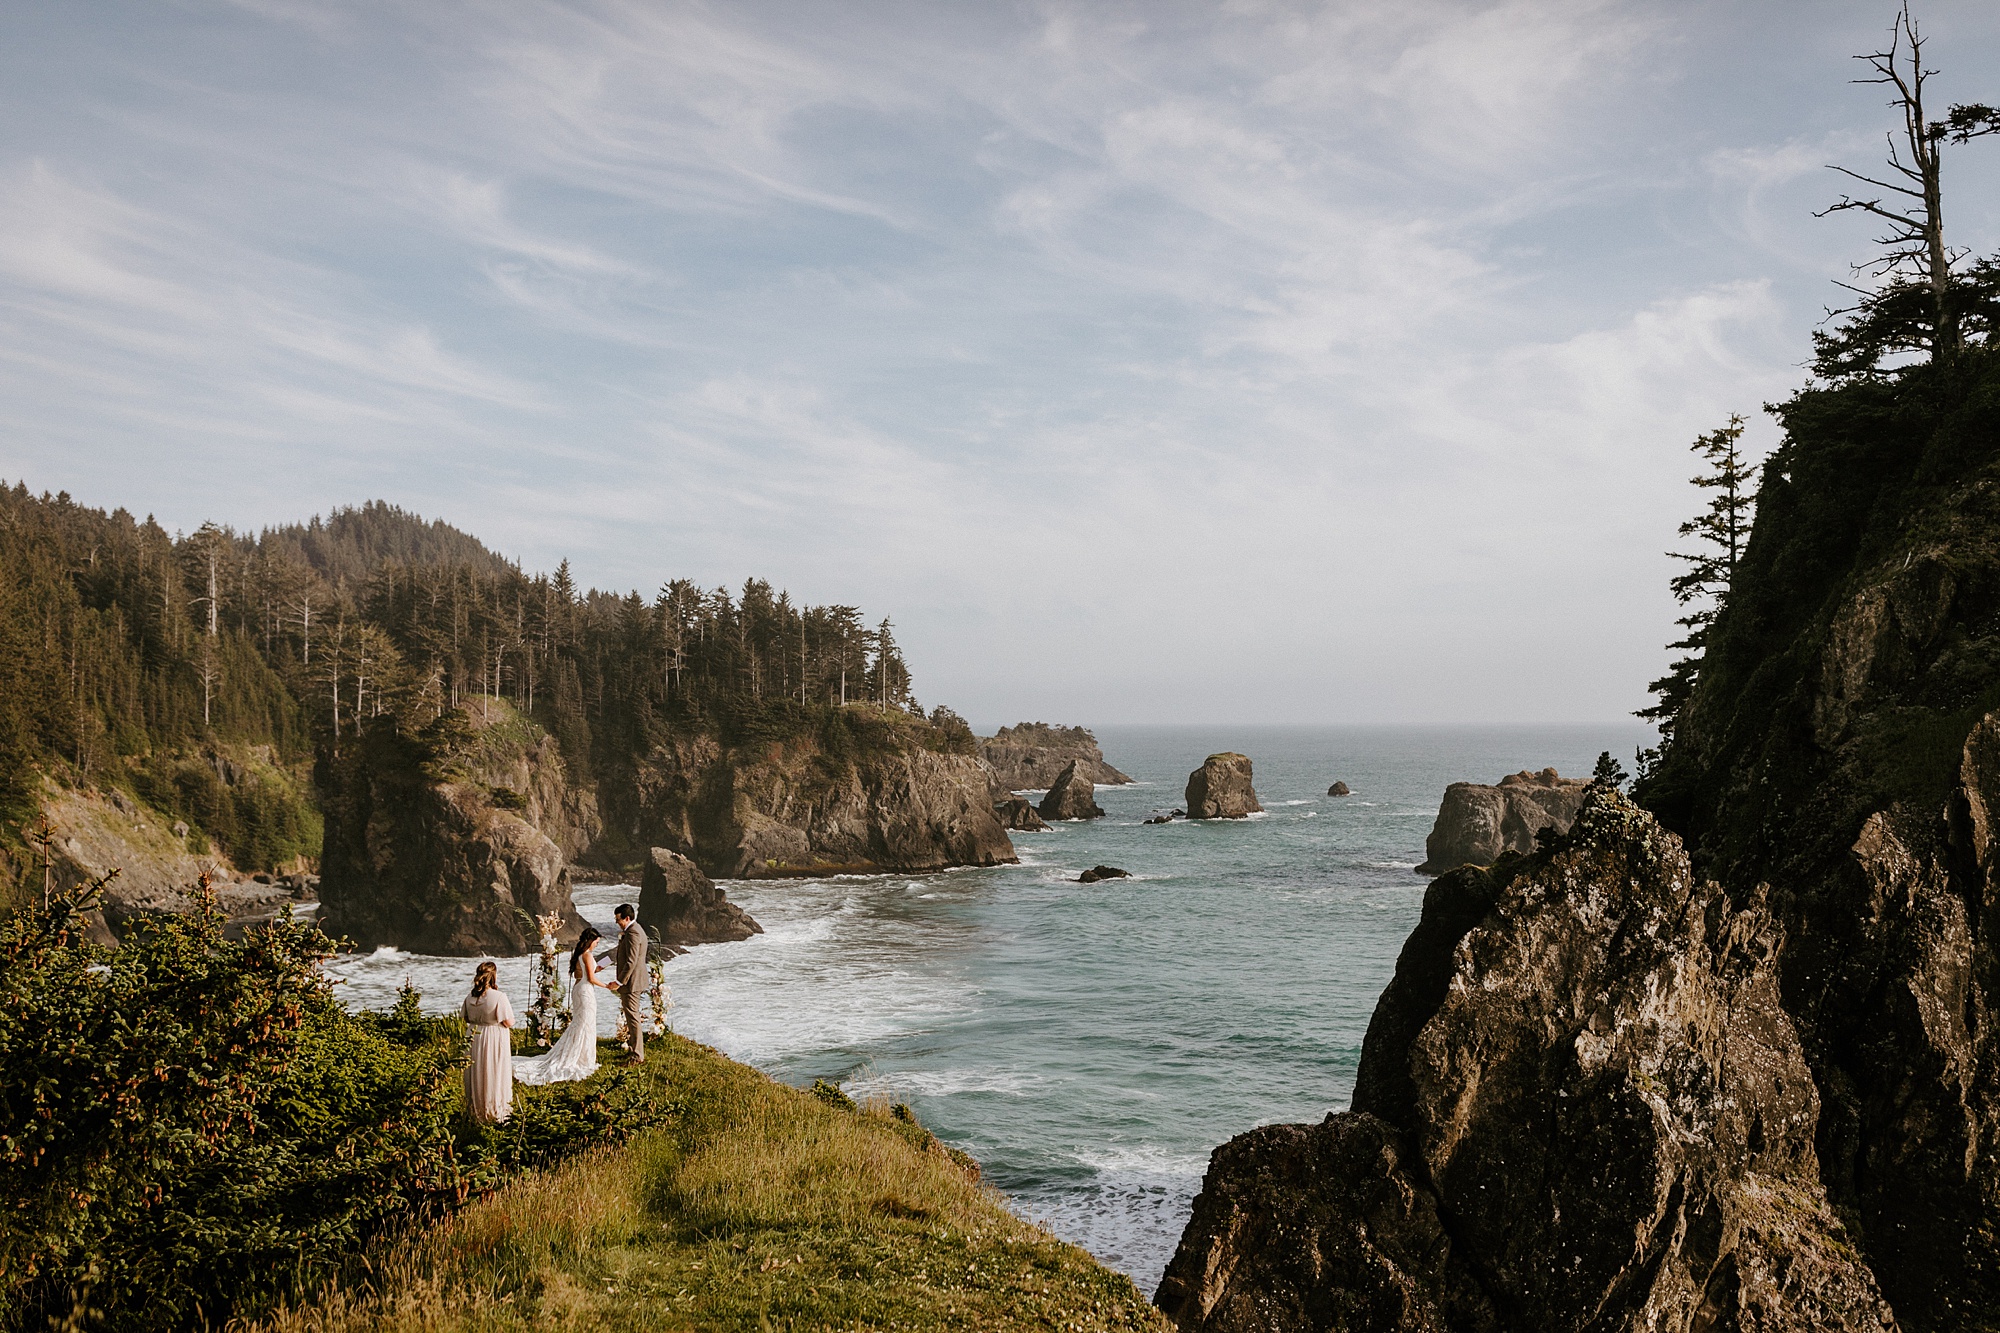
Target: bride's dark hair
{"x": 583, "y": 943}
{"x": 484, "y": 976}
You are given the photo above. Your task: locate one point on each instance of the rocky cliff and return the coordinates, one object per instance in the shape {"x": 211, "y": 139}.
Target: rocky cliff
{"x": 1220, "y": 788}
{"x": 160, "y": 856}
{"x": 423, "y": 855}
{"x": 814, "y": 806}
{"x": 1476, "y": 823}
{"x": 1610, "y": 1088}
{"x": 1581, "y": 1104}
{"x": 1839, "y": 746}
{"x": 522, "y": 769}
{"x": 1030, "y": 755}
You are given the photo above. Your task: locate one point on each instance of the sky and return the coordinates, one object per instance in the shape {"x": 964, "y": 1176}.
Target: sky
{"x": 1150, "y": 362}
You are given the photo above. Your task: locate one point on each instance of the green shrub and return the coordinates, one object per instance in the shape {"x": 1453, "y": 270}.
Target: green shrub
{"x": 192, "y": 1127}
{"x": 831, "y": 1094}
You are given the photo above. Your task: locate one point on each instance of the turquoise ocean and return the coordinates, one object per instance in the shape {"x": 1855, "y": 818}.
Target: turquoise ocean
{"x": 1091, "y": 1044}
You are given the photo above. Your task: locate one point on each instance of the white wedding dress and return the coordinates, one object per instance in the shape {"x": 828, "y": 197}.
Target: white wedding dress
{"x": 574, "y": 1056}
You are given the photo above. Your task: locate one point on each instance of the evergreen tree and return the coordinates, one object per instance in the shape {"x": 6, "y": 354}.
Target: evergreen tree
{"x": 1721, "y": 529}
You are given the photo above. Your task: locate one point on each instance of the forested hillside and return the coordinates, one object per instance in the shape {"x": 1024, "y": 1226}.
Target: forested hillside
{"x": 203, "y": 673}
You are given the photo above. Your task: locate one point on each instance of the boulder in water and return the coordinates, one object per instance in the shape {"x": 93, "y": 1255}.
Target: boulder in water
{"x": 1220, "y": 788}
{"x": 1339, "y": 789}
{"x": 1096, "y": 873}
{"x": 1017, "y": 815}
{"x": 679, "y": 905}
{"x": 1072, "y": 795}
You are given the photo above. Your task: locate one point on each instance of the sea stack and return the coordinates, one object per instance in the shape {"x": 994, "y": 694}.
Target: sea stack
{"x": 1220, "y": 788}
{"x": 1031, "y": 754}
{"x": 682, "y": 906}
{"x": 1476, "y": 823}
{"x": 1071, "y": 795}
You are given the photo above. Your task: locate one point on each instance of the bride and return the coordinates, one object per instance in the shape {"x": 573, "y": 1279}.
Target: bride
{"x": 574, "y": 1056}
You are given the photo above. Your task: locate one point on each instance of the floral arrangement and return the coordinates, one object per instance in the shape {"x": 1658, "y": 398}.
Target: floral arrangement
{"x": 548, "y": 1015}
{"x": 661, "y": 997}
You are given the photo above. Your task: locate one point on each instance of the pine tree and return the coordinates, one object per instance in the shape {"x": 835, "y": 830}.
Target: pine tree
{"x": 1722, "y": 528}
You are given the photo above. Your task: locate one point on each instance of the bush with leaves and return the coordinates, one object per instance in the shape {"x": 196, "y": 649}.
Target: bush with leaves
{"x": 192, "y": 1126}
{"x": 191, "y": 1123}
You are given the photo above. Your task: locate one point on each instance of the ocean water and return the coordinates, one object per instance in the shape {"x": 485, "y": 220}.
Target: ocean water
{"x": 1090, "y": 1044}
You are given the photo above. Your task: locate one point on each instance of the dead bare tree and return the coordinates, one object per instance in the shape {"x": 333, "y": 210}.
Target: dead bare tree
{"x": 1914, "y": 248}
{"x": 210, "y": 673}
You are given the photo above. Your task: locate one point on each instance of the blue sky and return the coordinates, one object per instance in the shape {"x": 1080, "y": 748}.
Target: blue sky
{"x": 1147, "y": 363}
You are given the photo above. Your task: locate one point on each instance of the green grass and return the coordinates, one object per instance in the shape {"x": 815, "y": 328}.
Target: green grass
{"x": 755, "y": 1206}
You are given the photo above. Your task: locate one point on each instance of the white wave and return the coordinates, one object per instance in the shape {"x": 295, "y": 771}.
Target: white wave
{"x": 1295, "y": 802}
{"x": 1142, "y": 1159}
{"x": 901, "y": 1084}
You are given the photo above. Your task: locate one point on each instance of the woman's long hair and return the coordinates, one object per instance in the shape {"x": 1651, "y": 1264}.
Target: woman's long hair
{"x": 484, "y": 978}
{"x": 583, "y": 943}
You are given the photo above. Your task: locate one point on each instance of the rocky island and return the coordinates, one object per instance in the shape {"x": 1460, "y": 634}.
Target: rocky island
{"x": 1029, "y": 756}
{"x": 1220, "y": 788}
{"x": 1476, "y": 823}
{"x": 682, "y": 907}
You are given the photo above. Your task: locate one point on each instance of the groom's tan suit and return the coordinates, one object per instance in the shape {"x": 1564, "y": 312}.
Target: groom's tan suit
{"x": 630, "y": 963}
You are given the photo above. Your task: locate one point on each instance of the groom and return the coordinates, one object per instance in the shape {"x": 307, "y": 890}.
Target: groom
{"x": 629, "y": 963}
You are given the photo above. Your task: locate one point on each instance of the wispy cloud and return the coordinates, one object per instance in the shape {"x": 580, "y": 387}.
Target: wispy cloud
{"x": 1269, "y": 337}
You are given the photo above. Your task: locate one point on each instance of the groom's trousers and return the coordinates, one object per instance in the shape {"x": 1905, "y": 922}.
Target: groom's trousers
{"x": 635, "y": 1033}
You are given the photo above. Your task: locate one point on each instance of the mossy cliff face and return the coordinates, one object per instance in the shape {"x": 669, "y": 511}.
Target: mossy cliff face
{"x": 422, "y": 855}
{"x": 1613, "y": 1088}
{"x": 1841, "y": 747}
{"x": 1580, "y": 1104}
{"x": 803, "y": 807}
{"x": 522, "y": 769}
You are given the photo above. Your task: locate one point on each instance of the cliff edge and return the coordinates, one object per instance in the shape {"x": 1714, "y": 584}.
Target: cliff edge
{"x": 1839, "y": 745}
{"x": 422, "y": 854}
{"x": 872, "y": 790}
{"x": 1755, "y": 1086}
{"x": 1580, "y": 1104}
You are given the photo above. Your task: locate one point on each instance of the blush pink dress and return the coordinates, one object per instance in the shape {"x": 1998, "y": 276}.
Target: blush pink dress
{"x": 489, "y": 1073}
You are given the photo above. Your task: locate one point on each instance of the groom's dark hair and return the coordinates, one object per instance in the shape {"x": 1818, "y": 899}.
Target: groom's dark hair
{"x": 625, "y": 912}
